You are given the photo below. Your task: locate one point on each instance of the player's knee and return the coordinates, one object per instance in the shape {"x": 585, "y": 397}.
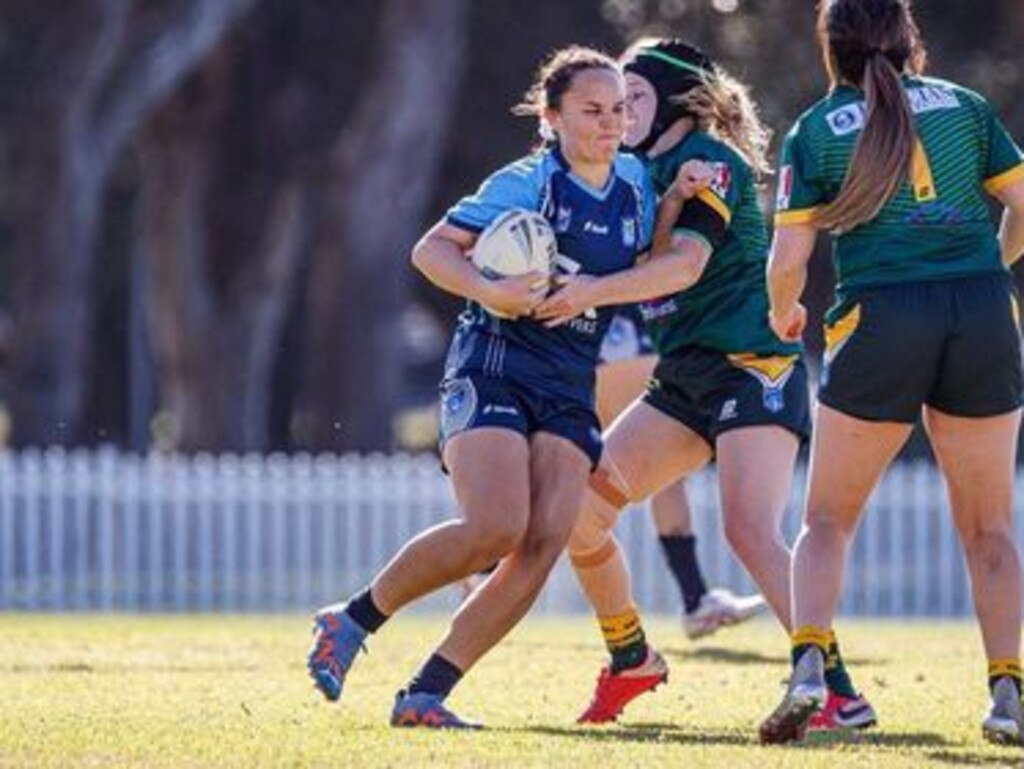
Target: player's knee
{"x": 748, "y": 535}
{"x": 990, "y": 545}
{"x": 824, "y": 524}
{"x": 540, "y": 550}
{"x": 591, "y": 532}
{"x": 497, "y": 539}
{"x": 609, "y": 487}
{"x": 743, "y": 540}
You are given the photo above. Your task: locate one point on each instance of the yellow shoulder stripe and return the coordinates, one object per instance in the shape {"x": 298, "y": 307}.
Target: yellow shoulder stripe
{"x": 716, "y": 203}
{"x": 1005, "y": 179}
{"x": 796, "y": 216}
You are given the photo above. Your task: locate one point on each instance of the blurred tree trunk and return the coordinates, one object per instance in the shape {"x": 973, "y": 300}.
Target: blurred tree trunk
{"x": 228, "y": 170}
{"x": 382, "y": 173}
{"x": 214, "y": 343}
{"x": 94, "y": 70}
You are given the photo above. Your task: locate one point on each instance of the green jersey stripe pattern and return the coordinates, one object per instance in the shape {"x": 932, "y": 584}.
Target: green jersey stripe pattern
{"x": 727, "y": 309}
{"x": 948, "y": 234}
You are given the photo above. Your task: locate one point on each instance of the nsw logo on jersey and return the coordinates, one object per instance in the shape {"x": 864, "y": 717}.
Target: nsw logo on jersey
{"x": 629, "y": 232}
{"x": 721, "y": 179}
{"x": 563, "y": 219}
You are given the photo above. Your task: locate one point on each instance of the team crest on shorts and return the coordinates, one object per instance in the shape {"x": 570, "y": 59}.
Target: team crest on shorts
{"x": 458, "y": 405}
{"x": 773, "y": 372}
{"x": 774, "y": 399}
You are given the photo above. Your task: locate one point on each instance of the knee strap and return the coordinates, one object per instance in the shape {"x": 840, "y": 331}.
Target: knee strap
{"x": 594, "y": 558}
{"x": 604, "y": 486}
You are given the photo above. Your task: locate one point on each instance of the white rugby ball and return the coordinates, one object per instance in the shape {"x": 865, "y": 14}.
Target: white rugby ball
{"x": 517, "y": 242}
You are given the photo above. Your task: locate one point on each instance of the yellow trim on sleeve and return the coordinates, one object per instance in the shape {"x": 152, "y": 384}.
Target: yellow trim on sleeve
{"x": 796, "y": 216}
{"x": 1005, "y": 179}
{"x": 716, "y": 203}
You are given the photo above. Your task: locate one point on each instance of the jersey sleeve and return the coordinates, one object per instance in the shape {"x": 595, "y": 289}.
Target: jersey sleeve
{"x": 1005, "y": 163}
{"x": 800, "y": 193}
{"x": 631, "y": 170}
{"x": 648, "y": 211}
{"x": 514, "y": 186}
{"x": 707, "y": 216}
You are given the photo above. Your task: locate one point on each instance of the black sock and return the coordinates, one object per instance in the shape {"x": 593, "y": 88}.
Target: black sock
{"x": 365, "y": 612}
{"x": 836, "y": 676}
{"x": 681, "y": 554}
{"x": 629, "y": 657}
{"x": 437, "y": 676}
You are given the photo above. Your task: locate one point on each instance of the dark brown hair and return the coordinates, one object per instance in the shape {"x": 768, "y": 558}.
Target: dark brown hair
{"x": 555, "y": 77}
{"x": 870, "y": 44}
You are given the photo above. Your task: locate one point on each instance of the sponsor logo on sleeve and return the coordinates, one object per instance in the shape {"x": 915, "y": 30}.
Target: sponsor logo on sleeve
{"x": 721, "y": 180}
{"x": 785, "y": 191}
{"x": 847, "y": 119}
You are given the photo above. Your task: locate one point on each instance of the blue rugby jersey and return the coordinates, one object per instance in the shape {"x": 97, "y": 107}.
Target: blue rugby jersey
{"x": 598, "y": 232}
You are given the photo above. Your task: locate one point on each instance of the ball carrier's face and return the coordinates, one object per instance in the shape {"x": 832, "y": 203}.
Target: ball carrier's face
{"x": 591, "y": 119}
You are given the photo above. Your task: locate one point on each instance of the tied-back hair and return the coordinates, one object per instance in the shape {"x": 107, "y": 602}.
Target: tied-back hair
{"x": 554, "y": 78}
{"x": 871, "y": 44}
{"x": 723, "y": 107}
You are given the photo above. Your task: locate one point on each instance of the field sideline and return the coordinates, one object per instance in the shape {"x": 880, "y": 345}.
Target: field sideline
{"x": 84, "y": 690}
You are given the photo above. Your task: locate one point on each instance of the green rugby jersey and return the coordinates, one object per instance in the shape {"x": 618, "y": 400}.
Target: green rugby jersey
{"x": 727, "y": 309}
{"x": 937, "y": 225}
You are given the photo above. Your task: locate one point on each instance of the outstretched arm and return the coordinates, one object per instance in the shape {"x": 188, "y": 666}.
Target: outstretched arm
{"x": 1011, "y": 231}
{"x": 792, "y": 246}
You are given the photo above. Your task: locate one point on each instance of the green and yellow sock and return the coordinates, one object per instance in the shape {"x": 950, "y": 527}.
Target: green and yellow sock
{"x": 624, "y": 637}
{"x": 1008, "y": 667}
{"x": 836, "y": 676}
{"x": 809, "y": 637}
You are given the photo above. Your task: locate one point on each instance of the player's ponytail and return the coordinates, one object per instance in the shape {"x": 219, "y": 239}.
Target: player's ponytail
{"x": 723, "y": 107}
{"x": 871, "y": 44}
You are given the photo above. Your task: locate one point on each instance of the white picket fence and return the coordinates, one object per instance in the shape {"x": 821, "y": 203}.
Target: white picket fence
{"x": 112, "y": 532}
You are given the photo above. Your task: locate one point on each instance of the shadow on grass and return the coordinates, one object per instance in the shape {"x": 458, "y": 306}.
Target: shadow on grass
{"x": 687, "y": 735}
{"x": 886, "y": 739}
{"x": 723, "y": 655}
{"x": 114, "y": 668}
{"x": 1012, "y": 757}
{"x": 732, "y": 656}
{"x": 647, "y": 733}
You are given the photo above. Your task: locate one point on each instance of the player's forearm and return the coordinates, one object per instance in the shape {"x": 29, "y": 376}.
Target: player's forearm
{"x": 1011, "y": 235}
{"x": 443, "y": 263}
{"x": 669, "y": 209}
{"x": 658, "y": 276}
{"x": 791, "y": 250}
{"x": 787, "y": 276}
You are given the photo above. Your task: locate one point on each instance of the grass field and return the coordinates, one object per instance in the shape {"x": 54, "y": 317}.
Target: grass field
{"x": 82, "y": 690}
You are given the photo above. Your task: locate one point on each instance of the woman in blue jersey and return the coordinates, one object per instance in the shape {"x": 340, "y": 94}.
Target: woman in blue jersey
{"x": 897, "y": 166}
{"x": 519, "y": 433}
{"x": 724, "y": 389}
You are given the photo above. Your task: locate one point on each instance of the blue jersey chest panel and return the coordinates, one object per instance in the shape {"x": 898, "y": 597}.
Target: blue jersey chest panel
{"x": 598, "y": 232}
